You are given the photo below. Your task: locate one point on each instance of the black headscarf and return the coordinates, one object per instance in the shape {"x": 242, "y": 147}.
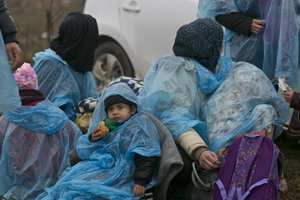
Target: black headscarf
{"x": 202, "y": 40}
{"x": 77, "y": 41}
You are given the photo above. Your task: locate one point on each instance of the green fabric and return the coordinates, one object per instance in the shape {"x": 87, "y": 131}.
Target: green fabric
{"x": 112, "y": 124}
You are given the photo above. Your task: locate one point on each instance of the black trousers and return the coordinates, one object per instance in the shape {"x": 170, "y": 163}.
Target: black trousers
{"x": 178, "y": 186}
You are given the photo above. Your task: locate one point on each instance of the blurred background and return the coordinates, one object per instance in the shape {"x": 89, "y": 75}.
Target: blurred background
{"x": 38, "y": 20}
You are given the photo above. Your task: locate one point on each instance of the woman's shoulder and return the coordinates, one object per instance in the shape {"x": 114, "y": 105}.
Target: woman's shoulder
{"x": 173, "y": 62}
{"x": 174, "y": 59}
{"x": 244, "y": 64}
{"x": 50, "y": 57}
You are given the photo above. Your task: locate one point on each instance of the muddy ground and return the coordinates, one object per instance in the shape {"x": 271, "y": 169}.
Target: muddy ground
{"x": 291, "y": 152}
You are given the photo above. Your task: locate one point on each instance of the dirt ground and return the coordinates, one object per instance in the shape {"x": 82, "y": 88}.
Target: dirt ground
{"x": 291, "y": 152}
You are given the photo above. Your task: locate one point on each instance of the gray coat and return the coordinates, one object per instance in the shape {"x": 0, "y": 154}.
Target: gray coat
{"x": 7, "y": 25}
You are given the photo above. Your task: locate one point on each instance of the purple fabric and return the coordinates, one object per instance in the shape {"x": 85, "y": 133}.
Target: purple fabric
{"x": 227, "y": 170}
{"x": 250, "y": 170}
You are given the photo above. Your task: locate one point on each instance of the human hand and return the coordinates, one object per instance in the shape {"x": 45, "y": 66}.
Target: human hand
{"x": 100, "y": 131}
{"x": 257, "y": 26}
{"x": 138, "y": 190}
{"x": 209, "y": 160}
{"x": 14, "y": 53}
{"x": 288, "y": 95}
{"x": 96, "y": 135}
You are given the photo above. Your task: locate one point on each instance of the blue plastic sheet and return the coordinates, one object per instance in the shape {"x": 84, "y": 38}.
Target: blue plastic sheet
{"x": 238, "y": 99}
{"x": 9, "y": 97}
{"x": 275, "y": 50}
{"x": 60, "y": 83}
{"x": 35, "y": 142}
{"x": 107, "y": 169}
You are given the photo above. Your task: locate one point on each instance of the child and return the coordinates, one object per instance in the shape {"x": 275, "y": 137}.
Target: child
{"x": 118, "y": 111}
{"x": 119, "y": 153}
{"x": 85, "y": 108}
{"x": 35, "y": 141}
{"x": 27, "y": 83}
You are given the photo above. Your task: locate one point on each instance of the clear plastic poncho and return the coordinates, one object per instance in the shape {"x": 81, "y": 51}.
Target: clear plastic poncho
{"x": 246, "y": 101}
{"x": 35, "y": 142}
{"x": 60, "y": 83}
{"x": 183, "y": 94}
{"x": 107, "y": 166}
{"x": 275, "y": 51}
{"x": 9, "y": 98}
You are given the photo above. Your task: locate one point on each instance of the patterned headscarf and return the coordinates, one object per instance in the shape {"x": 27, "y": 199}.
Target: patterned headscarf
{"x": 26, "y": 77}
{"x": 202, "y": 40}
{"x": 77, "y": 41}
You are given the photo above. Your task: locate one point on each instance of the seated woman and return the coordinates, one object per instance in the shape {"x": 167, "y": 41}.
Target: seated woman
{"x": 35, "y": 141}
{"x": 206, "y": 101}
{"x": 119, "y": 154}
{"x": 64, "y": 70}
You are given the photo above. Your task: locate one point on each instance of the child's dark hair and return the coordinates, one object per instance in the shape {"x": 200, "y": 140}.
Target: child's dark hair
{"x": 111, "y": 100}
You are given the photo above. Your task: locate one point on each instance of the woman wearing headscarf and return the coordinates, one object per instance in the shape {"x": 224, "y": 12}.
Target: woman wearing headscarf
{"x": 206, "y": 100}
{"x": 35, "y": 141}
{"x": 263, "y": 33}
{"x": 64, "y": 70}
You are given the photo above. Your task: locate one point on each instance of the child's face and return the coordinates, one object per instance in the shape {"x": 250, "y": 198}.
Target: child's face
{"x": 120, "y": 112}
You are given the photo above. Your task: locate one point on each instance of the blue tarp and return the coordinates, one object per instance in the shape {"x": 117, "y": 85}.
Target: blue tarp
{"x": 238, "y": 99}
{"x": 9, "y": 97}
{"x": 275, "y": 50}
{"x": 35, "y": 145}
{"x": 60, "y": 83}
{"x": 106, "y": 171}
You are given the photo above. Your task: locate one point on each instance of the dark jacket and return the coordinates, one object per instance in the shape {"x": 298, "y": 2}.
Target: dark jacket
{"x": 295, "y": 101}
{"x": 294, "y": 126}
{"x": 236, "y": 22}
{"x": 7, "y": 25}
{"x": 144, "y": 169}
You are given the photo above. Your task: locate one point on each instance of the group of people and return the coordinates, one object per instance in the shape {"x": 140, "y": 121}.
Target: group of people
{"x": 204, "y": 100}
{"x": 37, "y": 128}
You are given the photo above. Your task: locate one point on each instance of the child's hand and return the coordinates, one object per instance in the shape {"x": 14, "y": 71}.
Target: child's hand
{"x": 288, "y": 95}
{"x": 138, "y": 190}
{"x": 100, "y": 131}
{"x": 96, "y": 135}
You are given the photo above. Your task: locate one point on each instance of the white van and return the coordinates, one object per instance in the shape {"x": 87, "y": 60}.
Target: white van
{"x": 134, "y": 33}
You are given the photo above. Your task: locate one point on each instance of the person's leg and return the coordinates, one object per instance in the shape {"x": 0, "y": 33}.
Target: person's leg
{"x": 177, "y": 188}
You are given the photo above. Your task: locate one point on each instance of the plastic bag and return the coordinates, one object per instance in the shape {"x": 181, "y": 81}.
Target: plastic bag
{"x": 9, "y": 98}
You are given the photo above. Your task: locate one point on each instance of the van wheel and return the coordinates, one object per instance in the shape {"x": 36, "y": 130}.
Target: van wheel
{"x": 110, "y": 62}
